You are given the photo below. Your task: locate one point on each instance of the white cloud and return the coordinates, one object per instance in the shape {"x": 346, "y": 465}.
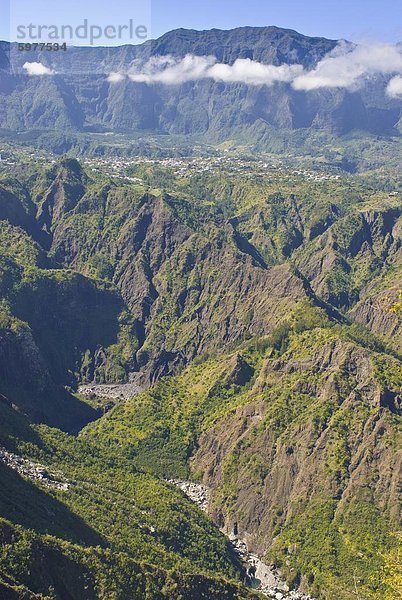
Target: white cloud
{"x": 36, "y": 68}
{"x": 347, "y": 66}
{"x": 115, "y": 77}
{"x": 394, "y": 87}
{"x": 171, "y": 71}
{"x": 250, "y": 72}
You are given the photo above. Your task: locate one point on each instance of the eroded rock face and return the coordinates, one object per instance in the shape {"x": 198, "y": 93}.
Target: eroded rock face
{"x": 297, "y": 465}
{"x": 356, "y": 248}
{"x": 190, "y": 291}
{"x": 182, "y": 278}
{"x": 217, "y": 312}
{"x": 375, "y": 313}
{"x": 195, "y": 281}
{"x": 27, "y": 384}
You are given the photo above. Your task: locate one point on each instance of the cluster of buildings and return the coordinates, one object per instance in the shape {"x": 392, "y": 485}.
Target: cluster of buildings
{"x": 187, "y": 167}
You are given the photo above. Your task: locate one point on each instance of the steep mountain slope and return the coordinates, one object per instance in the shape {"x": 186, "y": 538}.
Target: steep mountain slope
{"x": 204, "y": 266}
{"x": 166, "y": 256}
{"x": 91, "y": 527}
{"x": 55, "y": 328}
{"x": 80, "y": 98}
{"x": 296, "y": 437}
{"x": 242, "y": 288}
{"x": 378, "y": 313}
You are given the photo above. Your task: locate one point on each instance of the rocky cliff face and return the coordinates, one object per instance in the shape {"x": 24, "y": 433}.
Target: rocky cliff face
{"x": 67, "y": 184}
{"x": 298, "y": 447}
{"x": 375, "y": 312}
{"x": 27, "y": 384}
{"x": 192, "y": 279}
{"x": 190, "y": 287}
{"x": 56, "y": 327}
{"x": 358, "y": 247}
{"x": 335, "y": 462}
{"x": 325, "y": 455}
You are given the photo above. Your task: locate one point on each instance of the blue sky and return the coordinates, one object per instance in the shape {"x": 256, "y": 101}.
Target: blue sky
{"x": 357, "y": 20}
{"x": 380, "y": 20}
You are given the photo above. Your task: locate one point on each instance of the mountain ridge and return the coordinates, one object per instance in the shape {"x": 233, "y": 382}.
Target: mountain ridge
{"x": 79, "y": 98}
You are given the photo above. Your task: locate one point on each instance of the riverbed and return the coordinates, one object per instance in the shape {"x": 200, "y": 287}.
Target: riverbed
{"x": 264, "y": 578}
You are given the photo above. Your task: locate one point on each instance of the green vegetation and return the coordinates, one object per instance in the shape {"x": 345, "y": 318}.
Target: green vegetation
{"x": 258, "y": 307}
{"x": 115, "y": 529}
{"x": 337, "y": 536}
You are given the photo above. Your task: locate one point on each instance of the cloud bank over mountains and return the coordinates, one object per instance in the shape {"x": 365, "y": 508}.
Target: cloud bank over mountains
{"x": 347, "y": 66}
{"x": 171, "y": 71}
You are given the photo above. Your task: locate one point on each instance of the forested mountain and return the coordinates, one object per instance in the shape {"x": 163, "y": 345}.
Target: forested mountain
{"x": 79, "y": 97}
{"x": 261, "y": 318}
